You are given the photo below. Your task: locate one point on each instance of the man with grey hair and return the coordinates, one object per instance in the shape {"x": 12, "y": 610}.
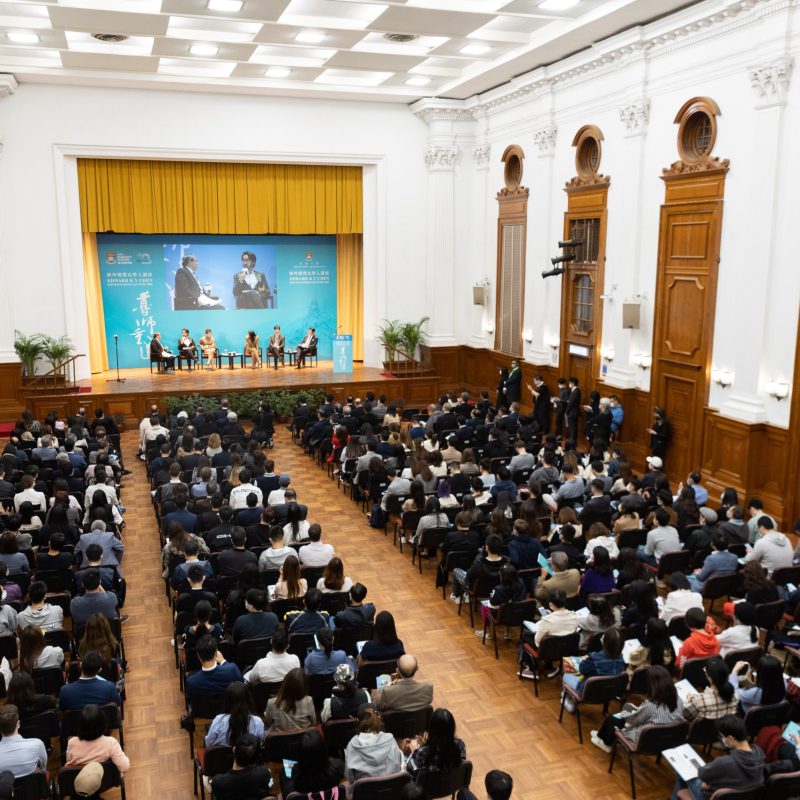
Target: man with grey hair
{"x": 232, "y": 428}
{"x": 113, "y": 548}
{"x": 564, "y": 578}
{"x": 404, "y": 693}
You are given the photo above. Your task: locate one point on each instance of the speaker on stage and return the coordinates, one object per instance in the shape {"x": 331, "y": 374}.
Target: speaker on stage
{"x": 479, "y": 294}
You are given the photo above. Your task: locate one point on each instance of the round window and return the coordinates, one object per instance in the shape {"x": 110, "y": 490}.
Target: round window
{"x": 587, "y": 157}
{"x": 513, "y": 171}
{"x": 698, "y": 135}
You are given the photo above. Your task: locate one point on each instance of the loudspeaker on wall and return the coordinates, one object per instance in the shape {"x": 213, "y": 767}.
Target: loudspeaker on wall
{"x": 630, "y": 315}
{"x": 479, "y": 293}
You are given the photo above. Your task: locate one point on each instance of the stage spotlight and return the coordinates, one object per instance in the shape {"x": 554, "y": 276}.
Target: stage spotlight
{"x": 571, "y": 243}
{"x": 562, "y": 259}
{"x": 553, "y": 272}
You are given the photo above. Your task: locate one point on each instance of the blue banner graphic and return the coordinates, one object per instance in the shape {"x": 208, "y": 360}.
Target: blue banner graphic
{"x": 231, "y": 284}
{"x": 343, "y": 352}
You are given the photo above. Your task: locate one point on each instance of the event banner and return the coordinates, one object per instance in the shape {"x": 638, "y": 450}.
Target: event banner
{"x": 230, "y": 284}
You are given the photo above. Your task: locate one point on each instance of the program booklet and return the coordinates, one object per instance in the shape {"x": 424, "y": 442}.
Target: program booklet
{"x": 684, "y": 760}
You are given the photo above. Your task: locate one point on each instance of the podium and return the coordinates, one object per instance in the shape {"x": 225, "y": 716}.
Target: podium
{"x": 343, "y": 352}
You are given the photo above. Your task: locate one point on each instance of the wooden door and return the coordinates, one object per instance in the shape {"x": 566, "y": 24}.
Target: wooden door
{"x": 686, "y": 290}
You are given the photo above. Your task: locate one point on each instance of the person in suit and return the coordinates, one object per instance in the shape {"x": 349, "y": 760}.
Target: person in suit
{"x": 189, "y": 294}
{"x": 659, "y": 433}
{"x": 404, "y": 693}
{"x": 598, "y": 426}
{"x": 160, "y": 353}
{"x": 560, "y": 404}
{"x": 187, "y": 348}
{"x": 250, "y": 288}
{"x": 309, "y": 343}
{"x": 541, "y": 403}
{"x": 573, "y": 409}
{"x": 513, "y": 384}
{"x": 90, "y": 688}
{"x": 277, "y": 343}
{"x": 215, "y": 676}
{"x": 501, "y": 388}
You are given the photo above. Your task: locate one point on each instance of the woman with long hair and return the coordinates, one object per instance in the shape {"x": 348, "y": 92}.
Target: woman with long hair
{"x": 468, "y": 464}
{"x": 324, "y": 660}
{"x": 601, "y": 617}
{"x": 214, "y": 445}
{"x": 567, "y": 516}
{"x": 202, "y": 626}
{"x": 333, "y": 578}
{"x": 599, "y": 536}
{"x": 499, "y": 524}
{"x": 97, "y": 635}
{"x": 237, "y": 718}
{"x": 252, "y": 349}
{"x": 629, "y": 568}
{"x": 9, "y": 553}
{"x": 718, "y": 699}
{"x": 21, "y": 692}
{"x": 292, "y": 707}
{"x": 35, "y": 653}
{"x": 29, "y": 526}
{"x": 599, "y": 577}
{"x": 176, "y": 545}
{"x": 416, "y": 498}
{"x": 446, "y": 499}
{"x": 296, "y": 527}
{"x": 641, "y": 603}
{"x": 655, "y": 650}
{"x": 384, "y": 644}
{"x": 92, "y": 745}
{"x": 60, "y": 520}
{"x": 743, "y": 634}
{"x": 315, "y": 771}
{"x": 249, "y": 578}
{"x": 290, "y": 585}
{"x": 442, "y": 749}
{"x": 762, "y": 686}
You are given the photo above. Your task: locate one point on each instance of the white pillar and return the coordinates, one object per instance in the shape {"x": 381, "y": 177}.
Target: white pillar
{"x": 7, "y": 88}
{"x": 485, "y": 260}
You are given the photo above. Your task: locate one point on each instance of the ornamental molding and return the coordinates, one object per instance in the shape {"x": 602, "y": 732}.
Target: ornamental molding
{"x": 545, "y": 141}
{"x": 705, "y": 164}
{"x": 440, "y": 158}
{"x": 519, "y": 191}
{"x": 592, "y": 180}
{"x": 770, "y": 82}
{"x": 481, "y": 155}
{"x": 635, "y": 116}
{"x": 8, "y": 84}
{"x": 442, "y": 113}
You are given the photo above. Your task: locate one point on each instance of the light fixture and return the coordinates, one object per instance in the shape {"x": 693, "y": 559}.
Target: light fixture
{"x": 557, "y": 5}
{"x": 421, "y": 81}
{"x": 777, "y": 389}
{"x": 475, "y": 50}
{"x": 278, "y": 72}
{"x": 527, "y": 335}
{"x": 642, "y": 360}
{"x": 489, "y": 327}
{"x": 206, "y": 50}
{"x": 608, "y": 352}
{"x": 722, "y": 377}
{"x": 20, "y": 37}
{"x": 553, "y": 342}
{"x": 309, "y": 37}
{"x": 226, "y": 6}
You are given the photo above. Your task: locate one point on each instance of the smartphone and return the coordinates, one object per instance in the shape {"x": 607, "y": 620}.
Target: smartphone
{"x": 316, "y": 642}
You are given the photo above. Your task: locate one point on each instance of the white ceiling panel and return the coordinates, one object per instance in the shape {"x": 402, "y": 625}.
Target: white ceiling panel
{"x": 25, "y": 17}
{"x": 11, "y": 57}
{"x": 352, "y": 77}
{"x": 331, "y": 14}
{"x": 402, "y": 19}
{"x": 256, "y": 71}
{"x": 47, "y": 38}
{"x": 285, "y": 34}
{"x": 92, "y": 21}
{"x": 291, "y": 56}
{"x": 102, "y": 63}
{"x": 374, "y": 61}
{"x": 178, "y": 48}
{"x": 206, "y": 68}
{"x": 257, "y": 10}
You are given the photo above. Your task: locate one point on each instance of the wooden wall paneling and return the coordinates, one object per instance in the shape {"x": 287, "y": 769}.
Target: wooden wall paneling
{"x": 769, "y": 473}
{"x": 10, "y": 386}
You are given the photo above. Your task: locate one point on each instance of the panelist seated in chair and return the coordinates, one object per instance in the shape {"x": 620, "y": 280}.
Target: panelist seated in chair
{"x": 187, "y": 349}
{"x": 309, "y": 343}
{"x": 250, "y": 288}
{"x": 277, "y": 343}
{"x": 158, "y": 352}
{"x": 189, "y": 293}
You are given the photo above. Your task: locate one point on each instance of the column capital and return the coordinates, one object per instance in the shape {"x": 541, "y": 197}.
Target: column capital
{"x": 770, "y": 82}
{"x": 8, "y": 84}
{"x": 440, "y": 158}
{"x": 635, "y": 116}
{"x": 545, "y": 140}
{"x": 481, "y": 155}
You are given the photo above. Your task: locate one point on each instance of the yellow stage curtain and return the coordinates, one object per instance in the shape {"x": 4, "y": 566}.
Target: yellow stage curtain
{"x": 98, "y": 357}
{"x": 214, "y": 197}
{"x": 350, "y": 290}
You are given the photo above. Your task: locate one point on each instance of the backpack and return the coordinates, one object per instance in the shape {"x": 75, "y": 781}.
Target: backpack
{"x": 377, "y": 518}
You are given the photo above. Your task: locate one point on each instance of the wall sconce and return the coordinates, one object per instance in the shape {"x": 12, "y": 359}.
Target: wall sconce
{"x": 527, "y": 335}
{"x": 642, "y": 361}
{"x": 722, "y": 377}
{"x": 489, "y": 327}
{"x": 777, "y": 389}
{"x": 608, "y": 353}
{"x": 553, "y": 342}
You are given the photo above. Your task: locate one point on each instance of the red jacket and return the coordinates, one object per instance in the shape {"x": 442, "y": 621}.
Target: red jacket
{"x": 700, "y": 644}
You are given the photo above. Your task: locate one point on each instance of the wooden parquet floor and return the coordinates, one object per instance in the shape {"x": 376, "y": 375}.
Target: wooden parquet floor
{"x": 503, "y": 725}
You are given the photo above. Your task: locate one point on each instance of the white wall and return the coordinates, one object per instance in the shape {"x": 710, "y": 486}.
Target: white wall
{"x": 709, "y": 50}
{"x": 40, "y": 259}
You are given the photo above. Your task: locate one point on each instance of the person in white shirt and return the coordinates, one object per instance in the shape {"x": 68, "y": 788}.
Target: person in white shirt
{"x": 559, "y": 622}
{"x": 276, "y": 496}
{"x": 273, "y": 557}
{"x": 238, "y": 497}
{"x": 773, "y": 550}
{"x": 144, "y": 426}
{"x": 599, "y": 536}
{"x": 743, "y": 634}
{"x": 274, "y": 666}
{"x": 155, "y": 430}
{"x": 315, "y": 553}
{"x": 680, "y": 599}
{"x": 661, "y": 539}
{"x": 36, "y": 499}
{"x": 100, "y": 485}
{"x": 21, "y": 756}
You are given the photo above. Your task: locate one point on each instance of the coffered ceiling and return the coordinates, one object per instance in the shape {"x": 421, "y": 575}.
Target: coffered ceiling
{"x": 399, "y": 50}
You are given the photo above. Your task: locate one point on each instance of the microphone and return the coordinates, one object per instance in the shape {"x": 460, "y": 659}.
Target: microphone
{"x": 562, "y": 259}
{"x": 116, "y": 337}
{"x": 570, "y": 243}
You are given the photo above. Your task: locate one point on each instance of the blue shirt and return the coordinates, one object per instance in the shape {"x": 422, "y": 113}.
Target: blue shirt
{"x": 700, "y": 494}
{"x": 22, "y": 756}
{"x": 317, "y": 663}
{"x": 212, "y": 681}
{"x": 601, "y": 663}
{"x": 504, "y": 486}
{"x": 718, "y": 562}
{"x": 220, "y": 727}
{"x": 617, "y": 414}
{"x": 85, "y": 691}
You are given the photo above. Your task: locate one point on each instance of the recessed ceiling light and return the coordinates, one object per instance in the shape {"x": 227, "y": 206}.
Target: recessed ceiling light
{"x": 19, "y": 37}
{"x": 475, "y": 50}
{"x": 204, "y": 50}
{"x": 557, "y": 5}
{"x": 278, "y": 72}
{"x": 418, "y": 81}
{"x": 309, "y": 37}
{"x": 226, "y": 6}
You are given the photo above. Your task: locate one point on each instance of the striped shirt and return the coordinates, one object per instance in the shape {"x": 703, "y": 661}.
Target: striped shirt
{"x": 708, "y": 705}
{"x": 650, "y": 713}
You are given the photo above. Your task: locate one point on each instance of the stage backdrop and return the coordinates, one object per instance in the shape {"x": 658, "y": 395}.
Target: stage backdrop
{"x": 293, "y": 276}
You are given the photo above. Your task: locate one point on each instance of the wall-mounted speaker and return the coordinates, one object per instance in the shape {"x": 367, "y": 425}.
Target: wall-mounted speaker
{"x": 630, "y": 315}
{"x": 479, "y": 295}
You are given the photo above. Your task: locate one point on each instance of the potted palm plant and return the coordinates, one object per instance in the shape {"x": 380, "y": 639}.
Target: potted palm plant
{"x": 389, "y": 335}
{"x": 411, "y": 335}
{"x": 28, "y": 350}
{"x": 57, "y": 351}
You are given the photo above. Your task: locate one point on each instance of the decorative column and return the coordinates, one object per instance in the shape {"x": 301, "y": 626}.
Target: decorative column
{"x": 7, "y": 88}
{"x": 482, "y": 316}
{"x": 740, "y": 349}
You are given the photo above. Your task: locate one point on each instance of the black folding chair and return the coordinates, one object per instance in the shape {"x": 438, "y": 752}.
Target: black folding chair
{"x": 210, "y": 762}
{"x": 386, "y": 787}
{"x": 551, "y": 648}
{"x": 441, "y": 783}
{"x": 510, "y": 615}
{"x": 338, "y": 733}
{"x": 65, "y": 781}
{"x": 763, "y": 716}
{"x": 407, "y": 724}
{"x": 368, "y": 672}
{"x": 597, "y": 691}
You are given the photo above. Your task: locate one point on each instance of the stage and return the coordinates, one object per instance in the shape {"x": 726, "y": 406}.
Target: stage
{"x": 141, "y": 388}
